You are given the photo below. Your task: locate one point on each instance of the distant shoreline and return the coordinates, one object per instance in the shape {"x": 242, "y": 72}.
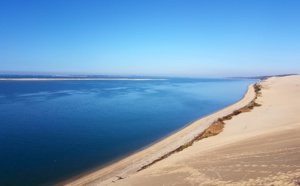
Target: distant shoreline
{"x": 81, "y": 79}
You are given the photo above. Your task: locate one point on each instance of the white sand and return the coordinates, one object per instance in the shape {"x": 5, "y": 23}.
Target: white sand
{"x": 257, "y": 147}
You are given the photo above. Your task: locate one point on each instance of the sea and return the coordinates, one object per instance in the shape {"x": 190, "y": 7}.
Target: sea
{"x": 54, "y": 130}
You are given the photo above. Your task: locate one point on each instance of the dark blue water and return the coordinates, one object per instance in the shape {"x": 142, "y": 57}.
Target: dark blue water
{"x": 53, "y": 130}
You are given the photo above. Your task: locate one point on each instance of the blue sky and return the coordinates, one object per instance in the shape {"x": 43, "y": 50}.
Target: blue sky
{"x": 203, "y": 38}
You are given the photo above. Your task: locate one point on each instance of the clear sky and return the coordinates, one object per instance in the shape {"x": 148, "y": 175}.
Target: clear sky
{"x": 211, "y": 38}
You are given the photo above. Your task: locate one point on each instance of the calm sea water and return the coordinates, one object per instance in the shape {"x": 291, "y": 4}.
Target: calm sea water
{"x": 53, "y": 130}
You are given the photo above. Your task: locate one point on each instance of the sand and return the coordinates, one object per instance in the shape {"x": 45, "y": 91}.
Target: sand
{"x": 260, "y": 147}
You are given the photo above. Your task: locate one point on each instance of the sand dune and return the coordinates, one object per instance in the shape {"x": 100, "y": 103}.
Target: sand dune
{"x": 260, "y": 147}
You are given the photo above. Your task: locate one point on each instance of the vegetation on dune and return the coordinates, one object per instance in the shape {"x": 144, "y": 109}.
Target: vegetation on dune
{"x": 215, "y": 128}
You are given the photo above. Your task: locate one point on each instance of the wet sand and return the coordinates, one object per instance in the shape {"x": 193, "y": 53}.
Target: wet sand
{"x": 260, "y": 147}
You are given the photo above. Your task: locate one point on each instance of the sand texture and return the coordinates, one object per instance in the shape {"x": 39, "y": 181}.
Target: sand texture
{"x": 260, "y": 146}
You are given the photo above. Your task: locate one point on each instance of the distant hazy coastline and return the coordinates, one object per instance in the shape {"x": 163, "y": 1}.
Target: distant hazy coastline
{"x": 80, "y": 79}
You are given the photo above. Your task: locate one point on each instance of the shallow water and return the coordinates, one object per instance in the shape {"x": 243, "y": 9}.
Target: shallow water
{"x": 53, "y": 130}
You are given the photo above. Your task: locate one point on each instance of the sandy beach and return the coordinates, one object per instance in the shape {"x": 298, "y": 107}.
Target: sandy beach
{"x": 260, "y": 146}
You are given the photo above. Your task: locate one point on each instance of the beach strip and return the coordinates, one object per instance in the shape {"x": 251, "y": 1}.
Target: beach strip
{"x": 146, "y": 157}
{"x": 257, "y": 147}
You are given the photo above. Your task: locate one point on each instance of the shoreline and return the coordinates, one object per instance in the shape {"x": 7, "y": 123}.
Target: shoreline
{"x": 261, "y": 147}
{"x": 81, "y": 79}
{"x": 142, "y": 159}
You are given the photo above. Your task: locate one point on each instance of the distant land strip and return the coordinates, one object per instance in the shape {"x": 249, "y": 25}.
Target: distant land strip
{"x": 81, "y": 79}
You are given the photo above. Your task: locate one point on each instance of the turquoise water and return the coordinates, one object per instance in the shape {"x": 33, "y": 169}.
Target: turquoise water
{"x": 53, "y": 130}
